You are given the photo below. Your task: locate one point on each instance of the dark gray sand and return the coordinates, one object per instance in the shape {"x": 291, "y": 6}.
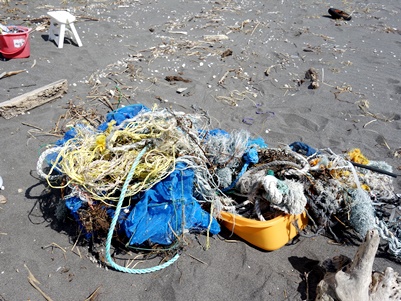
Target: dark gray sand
{"x": 134, "y": 45}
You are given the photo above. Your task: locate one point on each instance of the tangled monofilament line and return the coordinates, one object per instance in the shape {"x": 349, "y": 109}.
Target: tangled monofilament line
{"x": 344, "y": 193}
{"x": 227, "y": 150}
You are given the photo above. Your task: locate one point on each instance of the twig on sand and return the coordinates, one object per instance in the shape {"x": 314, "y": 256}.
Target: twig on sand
{"x": 369, "y": 122}
{"x": 31, "y": 132}
{"x": 235, "y": 97}
{"x": 32, "y": 126}
{"x": 306, "y": 275}
{"x": 197, "y": 259}
{"x": 34, "y": 282}
{"x": 88, "y": 18}
{"x": 75, "y": 244}
{"x": 78, "y": 252}
{"x": 386, "y": 144}
{"x": 54, "y": 245}
{"x": 130, "y": 262}
{"x": 215, "y": 37}
{"x": 93, "y": 296}
{"x": 10, "y": 73}
{"x": 256, "y": 26}
{"x": 222, "y": 79}
{"x": 103, "y": 99}
{"x": 76, "y": 241}
{"x": 364, "y": 106}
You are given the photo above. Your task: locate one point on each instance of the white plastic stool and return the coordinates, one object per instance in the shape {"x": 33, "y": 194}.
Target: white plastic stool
{"x": 62, "y": 18}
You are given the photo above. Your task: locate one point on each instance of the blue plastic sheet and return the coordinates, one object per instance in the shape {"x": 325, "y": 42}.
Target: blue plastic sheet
{"x": 122, "y": 114}
{"x": 168, "y": 208}
{"x": 303, "y": 148}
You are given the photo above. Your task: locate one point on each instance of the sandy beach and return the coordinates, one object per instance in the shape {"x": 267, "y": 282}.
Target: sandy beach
{"x": 244, "y": 64}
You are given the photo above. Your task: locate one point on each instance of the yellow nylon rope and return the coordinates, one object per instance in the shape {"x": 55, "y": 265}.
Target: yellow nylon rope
{"x": 99, "y": 162}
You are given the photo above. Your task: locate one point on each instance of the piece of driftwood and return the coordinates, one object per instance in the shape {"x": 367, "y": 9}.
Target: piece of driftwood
{"x": 10, "y": 73}
{"x": 33, "y": 99}
{"x": 353, "y": 280}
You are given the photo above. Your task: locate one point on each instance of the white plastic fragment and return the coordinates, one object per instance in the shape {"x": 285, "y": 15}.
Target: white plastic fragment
{"x": 180, "y": 90}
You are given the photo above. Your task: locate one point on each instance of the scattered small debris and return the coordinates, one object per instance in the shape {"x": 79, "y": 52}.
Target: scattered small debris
{"x": 248, "y": 120}
{"x": 226, "y": 53}
{"x": 311, "y": 75}
{"x": 177, "y": 78}
{"x": 215, "y": 38}
{"x": 267, "y": 71}
{"x": 3, "y": 199}
{"x": 339, "y": 14}
{"x": 397, "y": 153}
{"x": 179, "y": 32}
{"x": 181, "y": 90}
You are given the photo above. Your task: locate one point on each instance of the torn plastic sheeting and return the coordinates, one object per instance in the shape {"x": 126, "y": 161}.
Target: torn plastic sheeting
{"x": 122, "y": 114}
{"x": 158, "y": 216}
{"x": 303, "y": 148}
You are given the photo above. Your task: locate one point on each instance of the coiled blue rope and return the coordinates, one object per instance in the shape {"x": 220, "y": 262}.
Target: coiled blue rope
{"x": 114, "y": 222}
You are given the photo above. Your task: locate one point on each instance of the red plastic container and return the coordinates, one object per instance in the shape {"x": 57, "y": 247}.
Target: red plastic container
{"x": 15, "y": 45}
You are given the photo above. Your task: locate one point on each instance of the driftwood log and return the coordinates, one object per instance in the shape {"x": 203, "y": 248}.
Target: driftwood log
{"x": 354, "y": 280}
{"x": 33, "y": 99}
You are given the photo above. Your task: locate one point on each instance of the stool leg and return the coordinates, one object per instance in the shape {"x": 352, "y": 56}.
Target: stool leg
{"x": 61, "y": 36}
{"x": 75, "y": 33}
{"x": 52, "y": 37}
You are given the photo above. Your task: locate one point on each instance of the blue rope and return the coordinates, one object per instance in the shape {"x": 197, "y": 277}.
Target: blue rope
{"x": 113, "y": 224}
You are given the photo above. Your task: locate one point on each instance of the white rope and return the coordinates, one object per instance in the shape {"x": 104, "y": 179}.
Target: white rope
{"x": 393, "y": 242}
{"x": 257, "y": 209}
{"x": 273, "y": 194}
{"x": 42, "y": 158}
{"x": 295, "y": 199}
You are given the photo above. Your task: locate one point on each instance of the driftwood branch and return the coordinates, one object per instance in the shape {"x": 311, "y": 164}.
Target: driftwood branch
{"x": 355, "y": 281}
{"x": 10, "y": 73}
{"x": 33, "y": 99}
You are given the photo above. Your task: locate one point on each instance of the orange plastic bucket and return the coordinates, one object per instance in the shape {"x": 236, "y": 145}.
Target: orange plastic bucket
{"x": 268, "y": 235}
{"x": 16, "y": 44}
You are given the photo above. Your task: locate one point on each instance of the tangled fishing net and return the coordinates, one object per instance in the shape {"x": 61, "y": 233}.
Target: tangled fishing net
{"x": 157, "y": 174}
{"x": 352, "y": 191}
{"x": 181, "y": 167}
